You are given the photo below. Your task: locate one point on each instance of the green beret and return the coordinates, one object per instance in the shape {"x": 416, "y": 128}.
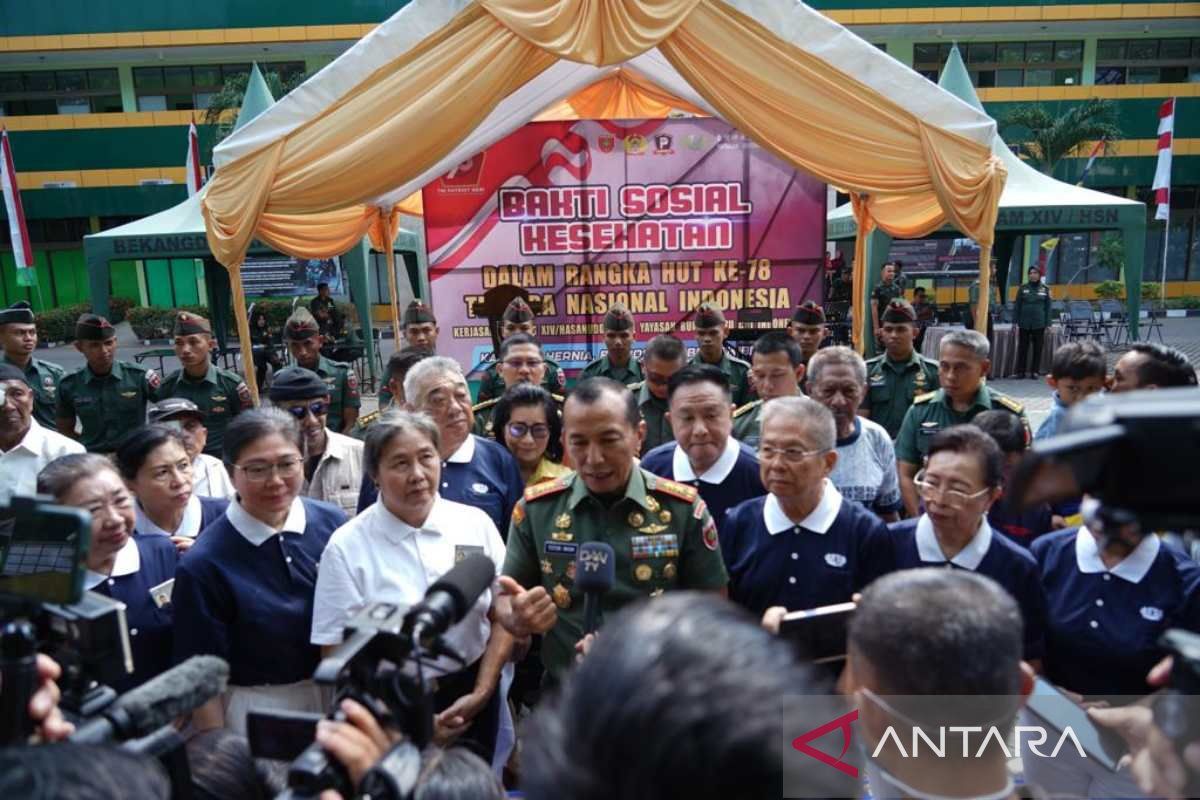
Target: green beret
{"x": 94, "y": 328}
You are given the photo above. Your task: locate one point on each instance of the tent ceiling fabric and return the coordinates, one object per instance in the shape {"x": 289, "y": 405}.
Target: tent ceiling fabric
{"x": 440, "y": 81}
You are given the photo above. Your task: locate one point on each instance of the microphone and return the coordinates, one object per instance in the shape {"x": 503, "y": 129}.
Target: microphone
{"x": 157, "y": 702}
{"x": 450, "y": 598}
{"x": 595, "y": 569}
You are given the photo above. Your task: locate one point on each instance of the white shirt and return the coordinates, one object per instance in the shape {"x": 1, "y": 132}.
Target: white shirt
{"x": 189, "y": 526}
{"x": 127, "y": 562}
{"x": 1132, "y": 568}
{"x": 255, "y": 531}
{"x": 819, "y": 520}
{"x": 930, "y": 550}
{"x": 19, "y": 467}
{"x": 210, "y": 478}
{"x": 719, "y": 471}
{"x": 339, "y": 473}
{"x": 377, "y": 557}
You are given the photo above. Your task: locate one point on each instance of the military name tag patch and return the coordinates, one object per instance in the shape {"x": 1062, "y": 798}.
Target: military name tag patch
{"x": 129, "y": 394}
{"x": 561, "y": 548}
{"x": 461, "y": 551}
{"x": 664, "y": 545}
{"x": 929, "y": 428}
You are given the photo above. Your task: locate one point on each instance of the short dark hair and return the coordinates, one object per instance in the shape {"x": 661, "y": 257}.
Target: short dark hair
{"x": 258, "y": 423}
{"x": 1005, "y": 428}
{"x": 403, "y": 360}
{"x": 777, "y": 342}
{"x": 919, "y": 290}
{"x": 66, "y": 771}
{"x": 1163, "y": 366}
{"x": 223, "y": 768}
{"x": 525, "y": 395}
{"x": 699, "y": 373}
{"x": 665, "y": 347}
{"x": 456, "y": 774}
{"x": 513, "y": 341}
{"x": 57, "y": 477}
{"x": 589, "y": 390}
{"x": 1078, "y": 360}
{"x": 138, "y": 444}
{"x": 971, "y": 440}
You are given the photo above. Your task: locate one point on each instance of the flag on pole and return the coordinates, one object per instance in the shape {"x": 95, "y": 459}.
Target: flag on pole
{"x": 1046, "y": 250}
{"x": 1162, "y": 174}
{"x": 22, "y": 252}
{"x": 1088, "y": 166}
{"x": 195, "y": 172}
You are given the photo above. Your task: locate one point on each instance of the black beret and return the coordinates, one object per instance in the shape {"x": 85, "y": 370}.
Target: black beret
{"x": 518, "y": 311}
{"x": 187, "y": 323}
{"x": 899, "y": 310}
{"x": 709, "y": 315}
{"x": 297, "y": 383}
{"x": 809, "y": 313}
{"x": 11, "y": 372}
{"x": 19, "y": 312}
{"x": 416, "y": 313}
{"x": 94, "y": 328}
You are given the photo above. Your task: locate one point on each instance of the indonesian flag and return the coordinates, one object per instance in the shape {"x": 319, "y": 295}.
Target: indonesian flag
{"x": 1088, "y": 166}
{"x": 1162, "y": 174}
{"x": 19, "y": 234}
{"x": 195, "y": 172}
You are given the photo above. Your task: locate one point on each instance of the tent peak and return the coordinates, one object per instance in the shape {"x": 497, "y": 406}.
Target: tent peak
{"x": 257, "y": 98}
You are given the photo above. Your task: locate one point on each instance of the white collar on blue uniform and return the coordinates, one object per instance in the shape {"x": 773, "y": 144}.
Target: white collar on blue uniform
{"x": 465, "y": 452}
{"x": 1132, "y": 568}
{"x": 127, "y": 562}
{"x": 719, "y": 471}
{"x": 930, "y": 550}
{"x": 397, "y": 530}
{"x": 819, "y": 520}
{"x": 256, "y": 531}
{"x": 189, "y": 526}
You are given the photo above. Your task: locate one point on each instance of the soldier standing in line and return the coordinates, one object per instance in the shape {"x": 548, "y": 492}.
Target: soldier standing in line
{"x": 518, "y": 318}
{"x": 19, "y": 337}
{"x": 712, "y": 330}
{"x": 303, "y": 338}
{"x": 618, "y": 363}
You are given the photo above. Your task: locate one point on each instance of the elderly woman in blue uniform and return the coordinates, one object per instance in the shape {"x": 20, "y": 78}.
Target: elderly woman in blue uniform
{"x": 802, "y": 545}
{"x": 244, "y": 592}
{"x": 137, "y": 570}
{"x": 963, "y": 476}
{"x": 154, "y": 462}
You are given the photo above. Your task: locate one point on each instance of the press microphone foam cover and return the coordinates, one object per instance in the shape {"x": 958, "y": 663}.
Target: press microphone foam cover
{"x": 595, "y": 567}
{"x": 175, "y": 692}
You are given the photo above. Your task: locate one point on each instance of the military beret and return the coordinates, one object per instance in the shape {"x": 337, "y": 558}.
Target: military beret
{"x": 416, "y": 313}
{"x": 301, "y": 325}
{"x": 518, "y": 311}
{"x": 11, "y": 372}
{"x": 618, "y": 318}
{"x": 187, "y": 323}
{"x": 94, "y": 328}
{"x": 899, "y": 310}
{"x": 809, "y": 313}
{"x": 709, "y": 315}
{"x": 171, "y": 408}
{"x": 297, "y": 383}
{"x": 19, "y": 312}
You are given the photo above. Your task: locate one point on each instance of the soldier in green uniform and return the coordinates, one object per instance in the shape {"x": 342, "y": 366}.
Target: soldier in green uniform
{"x": 665, "y": 355}
{"x": 520, "y": 362}
{"x": 962, "y": 364}
{"x": 807, "y": 327}
{"x": 109, "y": 397}
{"x": 883, "y": 294}
{"x": 618, "y": 363}
{"x": 420, "y": 331}
{"x": 661, "y": 533}
{"x": 900, "y": 373}
{"x": 777, "y": 370}
{"x": 711, "y": 332}
{"x": 518, "y": 318}
{"x": 18, "y": 335}
{"x": 397, "y": 368}
{"x": 218, "y": 393}
{"x": 1032, "y": 315}
{"x": 303, "y": 338}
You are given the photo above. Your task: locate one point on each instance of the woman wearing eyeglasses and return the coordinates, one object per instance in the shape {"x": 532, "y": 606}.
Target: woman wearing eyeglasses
{"x": 155, "y": 465}
{"x": 245, "y": 591}
{"x": 528, "y": 424}
{"x": 137, "y": 570}
{"x": 962, "y": 478}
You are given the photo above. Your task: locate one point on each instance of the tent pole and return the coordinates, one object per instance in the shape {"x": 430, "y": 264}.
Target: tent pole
{"x": 243, "y": 329}
{"x": 1162, "y": 285}
{"x": 389, "y": 257}
{"x": 985, "y": 288}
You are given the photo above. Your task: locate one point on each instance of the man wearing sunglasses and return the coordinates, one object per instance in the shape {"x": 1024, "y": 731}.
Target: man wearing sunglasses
{"x": 520, "y": 361}
{"x": 333, "y": 463}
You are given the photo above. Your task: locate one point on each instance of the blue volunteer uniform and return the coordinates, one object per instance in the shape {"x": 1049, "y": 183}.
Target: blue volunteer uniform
{"x": 825, "y": 558}
{"x": 1008, "y": 564}
{"x": 733, "y": 479}
{"x": 199, "y": 514}
{"x": 1103, "y": 625}
{"x": 145, "y": 562}
{"x": 479, "y": 473}
{"x": 245, "y": 593}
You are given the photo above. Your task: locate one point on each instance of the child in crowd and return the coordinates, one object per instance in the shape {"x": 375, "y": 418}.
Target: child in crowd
{"x": 1077, "y": 371}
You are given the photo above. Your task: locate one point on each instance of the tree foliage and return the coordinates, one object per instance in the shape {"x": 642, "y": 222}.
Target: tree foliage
{"x": 1047, "y": 138}
{"x": 224, "y": 105}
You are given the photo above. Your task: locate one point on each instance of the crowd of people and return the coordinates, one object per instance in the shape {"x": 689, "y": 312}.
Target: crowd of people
{"x": 734, "y": 491}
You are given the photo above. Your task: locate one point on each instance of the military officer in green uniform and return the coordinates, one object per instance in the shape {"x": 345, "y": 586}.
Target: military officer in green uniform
{"x": 711, "y": 332}
{"x": 397, "y": 368}
{"x": 1032, "y": 315}
{"x": 900, "y": 373}
{"x": 520, "y": 362}
{"x": 807, "y": 327}
{"x": 109, "y": 397}
{"x": 882, "y": 295}
{"x": 18, "y": 335}
{"x": 665, "y": 355}
{"x": 661, "y": 533}
{"x": 618, "y": 362}
{"x": 220, "y": 394}
{"x": 518, "y": 318}
{"x": 777, "y": 370}
{"x": 303, "y": 338}
{"x": 962, "y": 364}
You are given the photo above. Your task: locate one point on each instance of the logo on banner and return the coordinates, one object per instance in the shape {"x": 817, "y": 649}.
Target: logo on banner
{"x": 695, "y": 142}
{"x": 635, "y": 144}
{"x": 606, "y": 143}
{"x": 465, "y": 177}
{"x": 662, "y": 145}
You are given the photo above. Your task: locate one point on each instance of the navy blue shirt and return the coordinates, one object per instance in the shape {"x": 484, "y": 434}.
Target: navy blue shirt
{"x": 1103, "y": 625}
{"x": 1008, "y": 564}
{"x": 798, "y": 567}
{"x": 1022, "y": 527}
{"x": 211, "y": 508}
{"x": 481, "y": 473}
{"x": 732, "y": 480}
{"x": 151, "y": 626}
{"x": 252, "y": 604}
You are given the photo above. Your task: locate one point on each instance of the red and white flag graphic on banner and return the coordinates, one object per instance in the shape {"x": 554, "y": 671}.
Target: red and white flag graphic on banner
{"x": 195, "y": 172}
{"x": 19, "y": 234}
{"x": 1162, "y": 174}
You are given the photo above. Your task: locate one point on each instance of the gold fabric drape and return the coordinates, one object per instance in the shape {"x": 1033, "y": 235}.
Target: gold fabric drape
{"x": 626, "y": 94}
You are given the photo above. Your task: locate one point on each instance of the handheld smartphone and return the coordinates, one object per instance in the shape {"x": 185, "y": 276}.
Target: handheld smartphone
{"x": 43, "y": 551}
{"x": 281, "y": 735}
{"x": 819, "y": 633}
{"x": 1061, "y": 712}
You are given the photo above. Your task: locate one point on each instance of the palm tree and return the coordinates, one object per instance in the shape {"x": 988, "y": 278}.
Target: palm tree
{"x": 1047, "y": 138}
{"x": 223, "y": 106}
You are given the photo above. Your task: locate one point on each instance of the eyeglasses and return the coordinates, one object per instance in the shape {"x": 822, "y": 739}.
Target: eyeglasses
{"x": 518, "y": 429}
{"x": 792, "y": 455}
{"x": 299, "y": 412}
{"x": 950, "y": 498}
{"x": 166, "y": 472}
{"x": 528, "y": 363}
{"x": 257, "y": 473}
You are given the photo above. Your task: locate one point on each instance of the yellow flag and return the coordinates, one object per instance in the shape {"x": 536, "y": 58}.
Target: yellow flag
{"x": 1050, "y": 244}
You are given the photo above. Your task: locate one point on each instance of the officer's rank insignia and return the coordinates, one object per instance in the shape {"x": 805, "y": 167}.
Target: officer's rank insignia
{"x": 562, "y": 536}
{"x": 562, "y": 596}
{"x": 664, "y": 516}
{"x": 652, "y": 528}
{"x": 651, "y": 503}
{"x": 636, "y": 519}
{"x": 563, "y": 521}
{"x": 643, "y": 572}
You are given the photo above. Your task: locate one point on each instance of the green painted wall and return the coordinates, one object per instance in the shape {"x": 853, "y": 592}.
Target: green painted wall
{"x": 103, "y": 148}
{"x": 111, "y": 201}
{"x": 123, "y": 279}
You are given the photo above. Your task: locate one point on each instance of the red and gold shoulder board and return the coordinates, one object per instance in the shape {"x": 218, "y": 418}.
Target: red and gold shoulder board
{"x": 545, "y": 489}
{"x": 678, "y": 490}
{"x": 518, "y": 514}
